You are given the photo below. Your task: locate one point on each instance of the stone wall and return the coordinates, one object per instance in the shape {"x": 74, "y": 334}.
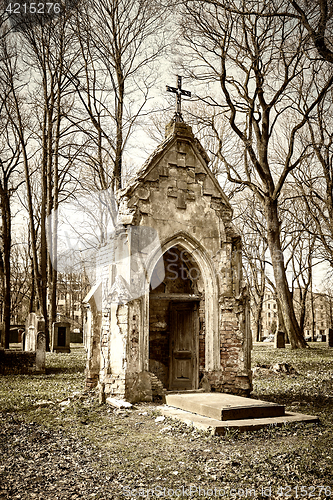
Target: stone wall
{"x": 94, "y": 338}
{"x": 159, "y": 339}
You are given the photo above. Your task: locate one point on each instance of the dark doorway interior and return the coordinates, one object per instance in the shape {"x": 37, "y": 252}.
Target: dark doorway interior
{"x": 61, "y": 336}
{"x": 174, "y": 321}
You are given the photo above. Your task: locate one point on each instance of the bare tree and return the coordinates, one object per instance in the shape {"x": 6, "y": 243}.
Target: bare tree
{"x": 261, "y": 69}
{"x": 47, "y": 45}
{"x": 119, "y": 40}
{"x": 316, "y": 16}
{"x": 21, "y": 281}
{"x": 10, "y": 157}
{"x": 250, "y": 222}
{"x": 314, "y": 182}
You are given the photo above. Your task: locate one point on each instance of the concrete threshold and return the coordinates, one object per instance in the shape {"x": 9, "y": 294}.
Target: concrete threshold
{"x": 218, "y": 427}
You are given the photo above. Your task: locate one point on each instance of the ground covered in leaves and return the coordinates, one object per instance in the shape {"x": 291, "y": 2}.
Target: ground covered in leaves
{"x": 57, "y": 442}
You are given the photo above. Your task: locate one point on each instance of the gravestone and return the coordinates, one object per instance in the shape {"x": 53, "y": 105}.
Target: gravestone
{"x": 61, "y": 337}
{"x": 33, "y": 325}
{"x": 40, "y": 352}
{"x": 23, "y": 336}
{"x": 330, "y": 338}
{"x": 279, "y": 340}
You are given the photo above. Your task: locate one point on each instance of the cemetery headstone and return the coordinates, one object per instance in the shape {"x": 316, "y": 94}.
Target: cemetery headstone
{"x": 40, "y": 352}
{"x": 23, "y": 338}
{"x": 33, "y": 325}
{"x": 279, "y": 340}
{"x": 61, "y": 337}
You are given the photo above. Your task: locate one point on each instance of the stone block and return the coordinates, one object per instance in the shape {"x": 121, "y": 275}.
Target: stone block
{"x": 163, "y": 171}
{"x": 139, "y": 388}
{"x": 191, "y": 174}
{"x": 172, "y": 192}
{"x": 181, "y": 200}
{"x": 118, "y": 403}
{"x": 224, "y": 407}
{"x": 190, "y": 195}
{"x": 181, "y": 184}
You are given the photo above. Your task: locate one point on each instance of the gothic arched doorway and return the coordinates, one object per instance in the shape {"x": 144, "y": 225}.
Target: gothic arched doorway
{"x": 175, "y": 329}
{"x": 200, "y": 290}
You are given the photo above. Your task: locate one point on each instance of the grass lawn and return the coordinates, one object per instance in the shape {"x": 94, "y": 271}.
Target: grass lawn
{"x": 135, "y": 452}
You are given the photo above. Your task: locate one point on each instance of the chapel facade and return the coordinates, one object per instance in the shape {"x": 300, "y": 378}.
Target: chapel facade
{"x": 170, "y": 314}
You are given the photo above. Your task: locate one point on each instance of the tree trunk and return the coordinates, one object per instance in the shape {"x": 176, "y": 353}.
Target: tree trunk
{"x": 258, "y": 321}
{"x": 44, "y": 225}
{"x": 284, "y": 296}
{"x": 6, "y": 247}
{"x": 313, "y": 318}
{"x": 20, "y": 132}
{"x": 119, "y": 121}
{"x": 303, "y": 297}
{"x": 53, "y": 278}
{"x": 2, "y": 278}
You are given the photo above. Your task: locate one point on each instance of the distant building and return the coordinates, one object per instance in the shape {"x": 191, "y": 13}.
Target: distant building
{"x": 269, "y": 314}
{"x": 71, "y": 290}
{"x": 318, "y": 317}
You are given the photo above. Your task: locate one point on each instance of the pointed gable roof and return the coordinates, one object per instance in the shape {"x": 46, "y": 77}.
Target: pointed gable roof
{"x": 181, "y": 132}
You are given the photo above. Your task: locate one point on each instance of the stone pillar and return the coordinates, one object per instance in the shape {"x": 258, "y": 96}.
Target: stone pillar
{"x": 330, "y": 337}
{"x": 93, "y": 335}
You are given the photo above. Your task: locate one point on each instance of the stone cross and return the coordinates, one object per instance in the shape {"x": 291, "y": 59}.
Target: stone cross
{"x": 179, "y": 91}
{"x": 183, "y": 191}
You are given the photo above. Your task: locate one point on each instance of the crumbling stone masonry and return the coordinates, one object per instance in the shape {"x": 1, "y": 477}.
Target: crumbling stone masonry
{"x": 186, "y": 324}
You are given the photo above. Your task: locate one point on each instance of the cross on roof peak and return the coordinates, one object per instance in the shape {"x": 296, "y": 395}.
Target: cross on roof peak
{"x": 178, "y": 117}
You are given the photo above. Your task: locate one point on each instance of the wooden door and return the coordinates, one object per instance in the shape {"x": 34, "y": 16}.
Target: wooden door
{"x": 183, "y": 367}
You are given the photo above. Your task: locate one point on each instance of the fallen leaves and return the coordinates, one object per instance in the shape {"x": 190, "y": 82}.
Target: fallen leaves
{"x": 58, "y": 442}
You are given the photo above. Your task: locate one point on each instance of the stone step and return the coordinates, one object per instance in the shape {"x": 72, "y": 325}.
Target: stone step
{"x": 224, "y": 407}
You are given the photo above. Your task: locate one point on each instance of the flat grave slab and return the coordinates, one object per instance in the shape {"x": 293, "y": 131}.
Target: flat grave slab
{"x": 218, "y": 427}
{"x": 224, "y": 407}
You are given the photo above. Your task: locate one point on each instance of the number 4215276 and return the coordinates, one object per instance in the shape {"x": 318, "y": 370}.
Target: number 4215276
{"x": 33, "y": 8}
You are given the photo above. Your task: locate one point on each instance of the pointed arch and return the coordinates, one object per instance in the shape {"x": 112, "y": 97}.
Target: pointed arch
{"x": 206, "y": 266}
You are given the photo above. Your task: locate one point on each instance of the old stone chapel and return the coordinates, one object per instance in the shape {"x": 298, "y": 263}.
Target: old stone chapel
{"x": 188, "y": 326}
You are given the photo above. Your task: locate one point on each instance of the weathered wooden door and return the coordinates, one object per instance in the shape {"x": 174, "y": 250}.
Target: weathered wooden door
{"x": 183, "y": 367}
